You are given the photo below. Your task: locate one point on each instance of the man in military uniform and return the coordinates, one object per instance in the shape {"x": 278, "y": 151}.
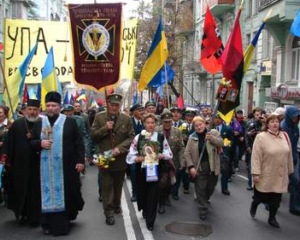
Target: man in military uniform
{"x": 189, "y": 115}
{"x": 176, "y": 116}
{"x": 113, "y": 131}
{"x": 175, "y": 140}
{"x": 68, "y": 110}
{"x": 150, "y": 107}
{"x": 137, "y": 112}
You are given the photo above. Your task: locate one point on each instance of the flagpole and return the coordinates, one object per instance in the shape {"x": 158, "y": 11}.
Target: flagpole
{"x": 167, "y": 87}
{"x": 107, "y": 114}
{"x": 6, "y": 87}
{"x": 212, "y": 90}
{"x": 242, "y": 4}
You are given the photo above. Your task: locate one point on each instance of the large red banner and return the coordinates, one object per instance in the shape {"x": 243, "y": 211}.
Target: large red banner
{"x": 96, "y": 35}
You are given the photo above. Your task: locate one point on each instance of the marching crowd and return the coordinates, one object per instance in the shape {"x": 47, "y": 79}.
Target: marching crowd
{"x": 44, "y": 153}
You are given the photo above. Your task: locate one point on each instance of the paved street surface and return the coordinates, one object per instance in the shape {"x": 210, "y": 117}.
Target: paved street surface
{"x": 228, "y": 216}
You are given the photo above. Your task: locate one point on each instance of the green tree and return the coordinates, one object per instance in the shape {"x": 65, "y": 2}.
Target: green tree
{"x": 32, "y": 10}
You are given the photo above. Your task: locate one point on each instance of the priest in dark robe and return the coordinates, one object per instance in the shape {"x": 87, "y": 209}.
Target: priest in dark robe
{"x": 22, "y": 165}
{"x": 59, "y": 142}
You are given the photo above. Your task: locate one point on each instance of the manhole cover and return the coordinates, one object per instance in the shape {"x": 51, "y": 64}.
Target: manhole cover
{"x": 189, "y": 229}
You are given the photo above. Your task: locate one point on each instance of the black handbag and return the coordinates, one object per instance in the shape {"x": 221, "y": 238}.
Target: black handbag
{"x": 193, "y": 180}
{"x": 225, "y": 164}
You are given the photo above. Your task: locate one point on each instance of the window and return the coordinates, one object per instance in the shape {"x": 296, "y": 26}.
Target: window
{"x": 248, "y": 39}
{"x": 255, "y": 6}
{"x": 249, "y": 8}
{"x": 266, "y": 43}
{"x": 296, "y": 59}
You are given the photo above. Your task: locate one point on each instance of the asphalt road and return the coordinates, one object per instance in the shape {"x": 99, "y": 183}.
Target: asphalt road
{"x": 228, "y": 217}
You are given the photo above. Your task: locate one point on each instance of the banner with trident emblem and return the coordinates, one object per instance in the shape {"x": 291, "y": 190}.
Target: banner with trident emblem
{"x": 96, "y": 35}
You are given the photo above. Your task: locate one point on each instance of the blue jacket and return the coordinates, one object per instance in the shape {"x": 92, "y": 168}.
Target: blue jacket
{"x": 291, "y": 128}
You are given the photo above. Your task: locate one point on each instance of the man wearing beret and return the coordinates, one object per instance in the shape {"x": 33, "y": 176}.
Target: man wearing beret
{"x": 137, "y": 111}
{"x": 112, "y": 131}
{"x": 59, "y": 142}
{"x": 175, "y": 140}
{"x": 23, "y": 167}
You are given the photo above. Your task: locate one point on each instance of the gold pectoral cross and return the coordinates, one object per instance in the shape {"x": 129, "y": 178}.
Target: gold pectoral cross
{"x": 29, "y": 135}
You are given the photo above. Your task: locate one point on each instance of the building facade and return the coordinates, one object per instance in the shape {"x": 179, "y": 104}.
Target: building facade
{"x": 272, "y": 79}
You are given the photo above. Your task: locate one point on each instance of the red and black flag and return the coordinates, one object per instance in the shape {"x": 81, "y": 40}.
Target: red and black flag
{"x": 211, "y": 46}
{"x": 96, "y": 35}
{"x": 233, "y": 68}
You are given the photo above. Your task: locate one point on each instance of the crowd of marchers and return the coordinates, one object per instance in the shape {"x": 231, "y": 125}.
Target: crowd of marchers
{"x": 43, "y": 154}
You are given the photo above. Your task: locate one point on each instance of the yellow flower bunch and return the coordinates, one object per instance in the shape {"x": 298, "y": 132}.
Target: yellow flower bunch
{"x": 226, "y": 83}
{"x": 103, "y": 160}
{"x": 227, "y": 142}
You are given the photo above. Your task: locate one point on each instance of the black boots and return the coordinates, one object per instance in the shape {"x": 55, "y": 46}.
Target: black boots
{"x": 253, "y": 209}
{"x": 273, "y": 222}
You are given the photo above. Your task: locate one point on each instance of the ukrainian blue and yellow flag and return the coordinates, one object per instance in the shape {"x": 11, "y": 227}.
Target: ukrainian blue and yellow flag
{"x": 49, "y": 78}
{"x": 248, "y": 55}
{"x": 157, "y": 56}
{"x": 15, "y": 83}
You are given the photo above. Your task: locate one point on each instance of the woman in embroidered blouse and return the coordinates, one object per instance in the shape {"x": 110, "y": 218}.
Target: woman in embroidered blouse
{"x": 147, "y": 188}
{"x": 271, "y": 164}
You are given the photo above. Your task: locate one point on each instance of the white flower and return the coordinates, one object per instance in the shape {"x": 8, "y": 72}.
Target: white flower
{"x": 184, "y": 125}
{"x": 146, "y": 134}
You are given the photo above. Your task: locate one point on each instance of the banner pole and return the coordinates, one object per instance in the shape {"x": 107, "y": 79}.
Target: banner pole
{"x": 107, "y": 114}
{"x": 212, "y": 90}
{"x": 167, "y": 87}
{"x": 6, "y": 87}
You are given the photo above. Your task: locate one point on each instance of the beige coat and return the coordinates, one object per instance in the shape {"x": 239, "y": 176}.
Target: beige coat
{"x": 191, "y": 153}
{"x": 272, "y": 160}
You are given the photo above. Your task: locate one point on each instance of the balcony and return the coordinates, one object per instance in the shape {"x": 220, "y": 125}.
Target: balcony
{"x": 218, "y": 7}
{"x": 266, "y": 3}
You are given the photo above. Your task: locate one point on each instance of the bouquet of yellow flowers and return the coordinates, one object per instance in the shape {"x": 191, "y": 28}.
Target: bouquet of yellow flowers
{"x": 227, "y": 142}
{"x": 103, "y": 160}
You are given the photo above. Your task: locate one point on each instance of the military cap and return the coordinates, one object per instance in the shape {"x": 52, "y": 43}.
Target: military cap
{"x": 23, "y": 106}
{"x": 67, "y": 107}
{"x": 166, "y": 115}
{"x": 33, "y": 103}
{"x": 53, "y": 97}
{"x": 190, "y": 112}
{"x": 173, "y": 109}
{"x": 150, "y": 103}
{"x": 114, "y": 98}
{"x": 135, "y": 107}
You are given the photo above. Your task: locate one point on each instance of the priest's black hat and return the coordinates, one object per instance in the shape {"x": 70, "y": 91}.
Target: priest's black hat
{"x": 33, "y": 103}
{"x": 53, "y": 97}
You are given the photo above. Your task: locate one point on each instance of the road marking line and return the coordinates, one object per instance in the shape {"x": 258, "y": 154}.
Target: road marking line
{"x": 242, "y": 177}
{"x": 146, "y": 233}
{"x": 127, "y": 219}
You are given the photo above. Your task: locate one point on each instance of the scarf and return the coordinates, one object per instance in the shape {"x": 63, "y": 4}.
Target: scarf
{"x": 51, "y": 169}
